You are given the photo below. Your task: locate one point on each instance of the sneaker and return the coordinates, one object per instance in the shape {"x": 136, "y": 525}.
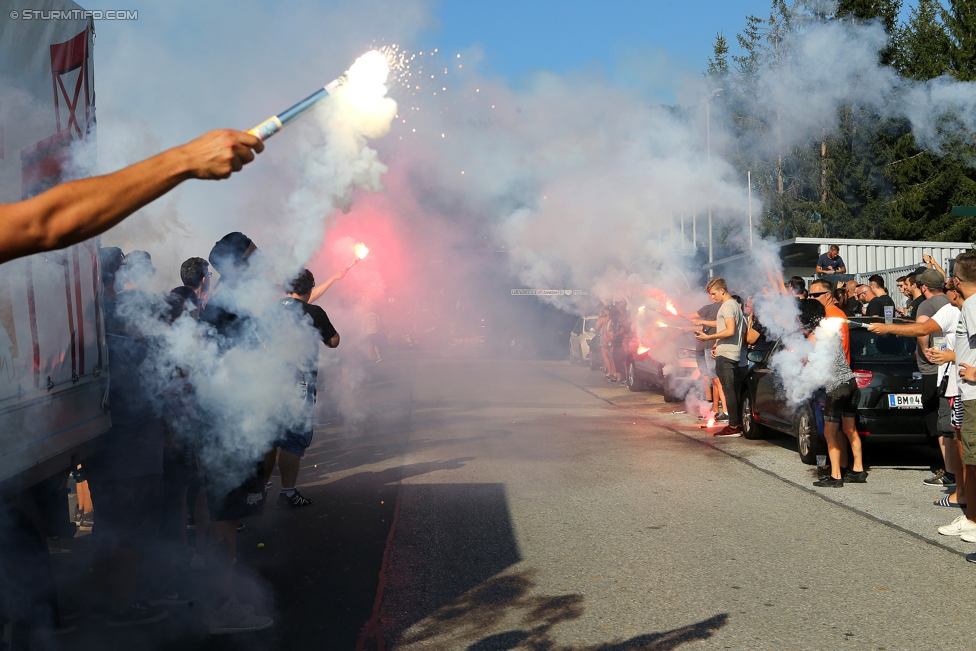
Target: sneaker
{"x": 971, "y": 558}
{"x": 852, "y": 477}
{"x": 722, "y": 416}
{"x": 958, "y": 527}
{"x": 171, "y": 598}
{"x": 296, "y": 501}
{"x": 941, "y": 479}
{"x": 232, "y": 617}
{"x": 729, "y": 432}
{"x": 138, "y": 614}
{"x": 968, "y": 537}
{"x": 829, "y": 482}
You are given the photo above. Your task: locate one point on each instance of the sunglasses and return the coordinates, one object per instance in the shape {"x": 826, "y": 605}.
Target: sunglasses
{"x": 816, "y": 294}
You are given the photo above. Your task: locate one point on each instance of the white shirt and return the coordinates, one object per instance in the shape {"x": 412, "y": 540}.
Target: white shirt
{"x": 948, "y": 317}
{"x": 965, "y": 345}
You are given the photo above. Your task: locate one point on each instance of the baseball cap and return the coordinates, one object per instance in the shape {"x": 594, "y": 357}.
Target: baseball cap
{"x": 931, "y": 279}
{"x": 229, "y": 251}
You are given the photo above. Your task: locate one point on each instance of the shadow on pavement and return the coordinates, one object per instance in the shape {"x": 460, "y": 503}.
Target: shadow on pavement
{"x": 506, "y": 598}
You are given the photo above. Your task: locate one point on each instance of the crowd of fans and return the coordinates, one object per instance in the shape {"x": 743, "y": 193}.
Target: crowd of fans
{"x": 166, "y": 457}
{"x": 940, "y": 315}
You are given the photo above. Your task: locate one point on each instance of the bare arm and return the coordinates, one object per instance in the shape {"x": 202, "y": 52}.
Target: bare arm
{"x": 334, "y": 342}
{"x": 917, "y": 329}
{"x": 728, "y": 332}
{"x": 923, "y": 341}
{"x": 932, "y": 264}
{"x": 319, "y": 290}
{"x": 75, "y": 211}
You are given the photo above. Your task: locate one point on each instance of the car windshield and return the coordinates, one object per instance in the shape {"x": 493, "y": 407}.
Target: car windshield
{"x": 590, "y": 325}
{"x": 870, "y": 347}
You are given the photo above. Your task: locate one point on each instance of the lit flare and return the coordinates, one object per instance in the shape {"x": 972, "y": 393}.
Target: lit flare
{"x": 360, "y": 250}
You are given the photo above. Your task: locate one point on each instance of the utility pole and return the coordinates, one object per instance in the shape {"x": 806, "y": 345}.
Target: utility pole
{"x": 708, "y": 146}
{"x": 749, "y": 181}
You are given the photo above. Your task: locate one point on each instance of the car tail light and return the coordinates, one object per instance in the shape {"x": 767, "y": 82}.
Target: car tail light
{"x": 863, "y": 378}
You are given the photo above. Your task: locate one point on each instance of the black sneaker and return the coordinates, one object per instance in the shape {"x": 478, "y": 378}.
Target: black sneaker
{"x": 856, "y": 477}
{"x": 971, "y": 558}
{"x": 296, "y": 501}
{"x": 138, "y": 614}
{"x": 941, "y": 479}
{"x": 829, "y": 482}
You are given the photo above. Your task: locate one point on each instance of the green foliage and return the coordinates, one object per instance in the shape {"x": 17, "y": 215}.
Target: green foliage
{"x": 868, "y": 178}
{"x": 718, "y": 66}
{"x": 960, "y": 22}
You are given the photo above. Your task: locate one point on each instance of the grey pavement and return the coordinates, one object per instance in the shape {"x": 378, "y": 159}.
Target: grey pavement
{"x": 541, "y": 509}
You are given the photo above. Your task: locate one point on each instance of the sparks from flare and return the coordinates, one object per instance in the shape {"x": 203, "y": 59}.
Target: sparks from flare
{"x": 669, "y": 306}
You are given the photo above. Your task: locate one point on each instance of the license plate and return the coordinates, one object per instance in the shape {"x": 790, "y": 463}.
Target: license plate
{"x": 905, "y": 400}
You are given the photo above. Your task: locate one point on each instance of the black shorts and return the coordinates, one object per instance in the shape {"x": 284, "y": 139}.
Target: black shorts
{"x": 129, "y": 510}
{"x": 238, "y": 499}
{"x": 841, "y": 402}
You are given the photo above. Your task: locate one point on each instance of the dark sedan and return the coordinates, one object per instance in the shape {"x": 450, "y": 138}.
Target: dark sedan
{"x": 890, "y": 406}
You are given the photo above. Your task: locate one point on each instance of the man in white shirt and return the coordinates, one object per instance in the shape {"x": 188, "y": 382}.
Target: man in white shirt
{"x": 730, "y": 338}
{"x": 965, "y": 349}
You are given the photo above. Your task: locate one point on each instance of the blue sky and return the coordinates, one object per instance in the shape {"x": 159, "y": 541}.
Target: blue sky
{"x": 522, "y": 36}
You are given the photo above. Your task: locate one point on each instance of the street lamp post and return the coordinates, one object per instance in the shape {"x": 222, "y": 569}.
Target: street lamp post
{"x": 708, "y": 144}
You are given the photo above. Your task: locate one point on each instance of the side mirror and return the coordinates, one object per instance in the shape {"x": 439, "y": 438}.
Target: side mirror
{"x": 755, "y": 356}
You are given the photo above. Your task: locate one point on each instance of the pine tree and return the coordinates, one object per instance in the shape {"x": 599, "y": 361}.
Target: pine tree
{"x": 923, "y": 46}
{"x": 960, "y": 21}
{"x": 718, "y": 66}
{"x": 885, "y": 11}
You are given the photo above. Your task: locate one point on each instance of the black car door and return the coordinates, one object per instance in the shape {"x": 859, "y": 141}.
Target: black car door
{"x": 769, "y": 405}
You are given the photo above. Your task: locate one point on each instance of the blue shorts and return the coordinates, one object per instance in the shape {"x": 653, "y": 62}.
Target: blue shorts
{"x": 706, "y": 364}
{"x": 297, "y": 438}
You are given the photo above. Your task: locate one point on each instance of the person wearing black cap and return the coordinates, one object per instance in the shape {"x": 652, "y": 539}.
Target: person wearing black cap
{"x": 75, "y": 211}
{"x": 232, "y": 257}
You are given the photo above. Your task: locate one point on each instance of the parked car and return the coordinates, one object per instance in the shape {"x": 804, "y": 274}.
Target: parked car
{"x": 889, "y": 408}
{"x": 672, "y": 368}
{"x": 579, "y": 341}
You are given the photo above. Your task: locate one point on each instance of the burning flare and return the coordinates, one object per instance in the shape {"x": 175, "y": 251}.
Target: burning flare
{"x": 642, "y": 349}
{"x": 361, "y": 252}
{"x": 669, "y": 306}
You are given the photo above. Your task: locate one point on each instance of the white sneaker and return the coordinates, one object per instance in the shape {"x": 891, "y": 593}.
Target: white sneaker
{"x": 958, "y": 527}
{"x": 969, "y": 537}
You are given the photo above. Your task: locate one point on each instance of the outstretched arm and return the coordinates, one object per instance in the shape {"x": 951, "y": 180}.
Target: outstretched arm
{"x": 75, "y": 211}
{"x": 319, "y": 290}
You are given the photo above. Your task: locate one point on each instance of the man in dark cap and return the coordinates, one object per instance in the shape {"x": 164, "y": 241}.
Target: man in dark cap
{"x": 233, "y": 327}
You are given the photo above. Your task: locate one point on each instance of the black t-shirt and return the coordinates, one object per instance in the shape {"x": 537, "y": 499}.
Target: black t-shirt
{"x": 707, "y": 313}
{"x": 913, "y": 307}
{"x": 231, "y": 329}
{"x": 319, "y": 320}
{"x": 826, "y": 262}
{"x": 877, "y": 305}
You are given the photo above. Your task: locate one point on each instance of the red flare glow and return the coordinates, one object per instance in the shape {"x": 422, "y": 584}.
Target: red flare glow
{"x": 642, "y": 349}
{"x": 360, "y": 250}
{"x": 710, "y": 423}
{"x": 669, "y": 306}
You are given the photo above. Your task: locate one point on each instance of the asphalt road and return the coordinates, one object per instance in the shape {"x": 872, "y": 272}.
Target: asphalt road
{"x": 488, "y": 504}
